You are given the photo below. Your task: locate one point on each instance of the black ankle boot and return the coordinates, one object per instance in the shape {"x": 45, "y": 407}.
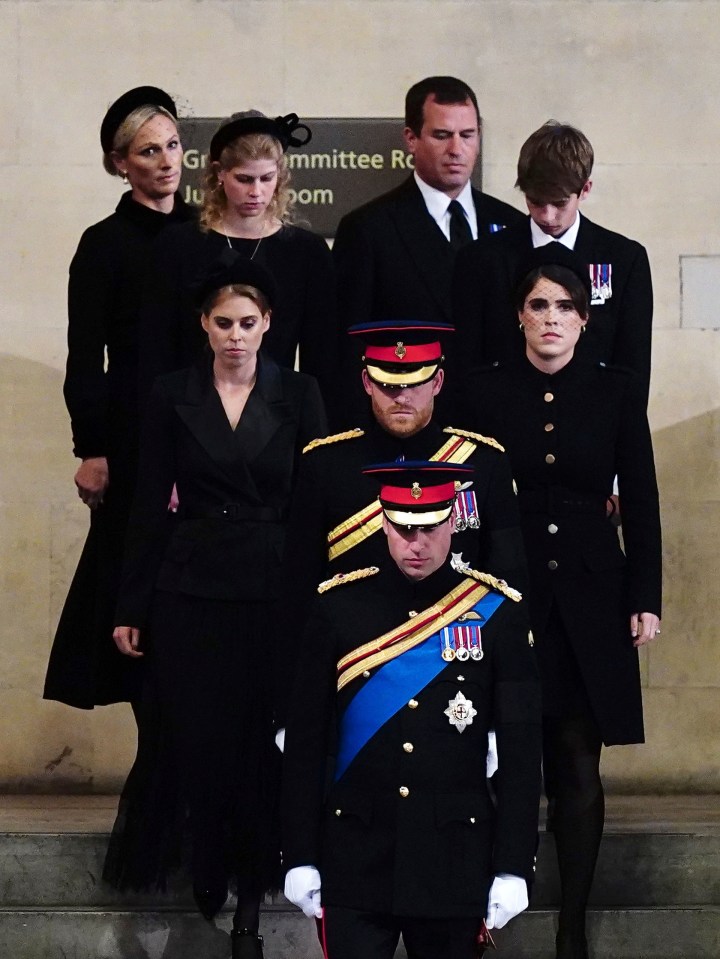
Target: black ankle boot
{"x": 246, "y": 944}
{"x": 210, "y": 900}
{"x": 571, "y": 945}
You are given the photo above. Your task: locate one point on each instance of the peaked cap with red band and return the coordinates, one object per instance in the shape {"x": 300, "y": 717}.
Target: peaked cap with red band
{"x": 418, "y": 493}
{"x": 402, "y": 352}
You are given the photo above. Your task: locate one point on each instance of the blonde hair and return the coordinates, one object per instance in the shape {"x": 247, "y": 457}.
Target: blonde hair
{"x": 251, "y": 146}
{"x": 129, "y": 129}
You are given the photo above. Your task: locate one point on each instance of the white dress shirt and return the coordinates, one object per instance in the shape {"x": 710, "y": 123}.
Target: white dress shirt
{"x": 437, "y": 204}
{"x": 568, "y": 239}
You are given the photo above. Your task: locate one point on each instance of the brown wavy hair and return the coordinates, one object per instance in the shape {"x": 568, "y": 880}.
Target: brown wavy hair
{"x": 251, "y": 146}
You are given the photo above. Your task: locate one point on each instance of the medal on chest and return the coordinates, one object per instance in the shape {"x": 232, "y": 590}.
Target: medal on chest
{"x": 465, "y": 511}
{"x": 601, "y": 282}
{"x": 461, "y": 641}
{"x": 460, "y": 712}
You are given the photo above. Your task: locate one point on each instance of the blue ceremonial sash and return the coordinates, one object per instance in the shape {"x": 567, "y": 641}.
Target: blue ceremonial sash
{"x": 392, "y": 686}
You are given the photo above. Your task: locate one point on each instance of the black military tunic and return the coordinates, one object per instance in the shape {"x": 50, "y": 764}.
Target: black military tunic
{"x": 331, "y": 489}
{"x": 408, "y": 827}
{"x": 568, "y": 435}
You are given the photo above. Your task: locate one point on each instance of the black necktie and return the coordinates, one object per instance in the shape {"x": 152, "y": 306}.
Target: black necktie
{"x": 460, "y": 232}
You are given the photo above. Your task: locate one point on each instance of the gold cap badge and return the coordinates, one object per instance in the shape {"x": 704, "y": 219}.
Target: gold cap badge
{"x": 400, "y": 350}
{"x": 416, "y": 492}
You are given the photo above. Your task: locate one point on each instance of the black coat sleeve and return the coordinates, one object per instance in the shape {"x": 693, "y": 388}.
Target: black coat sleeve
{"x": 632, "y": 347}
{"x": 637, "y": 483}
{"x": 518, "y": 727}
{"x": 307, "y": 744}
{"x": 500, "y": 523}
{"x": 150, "y": 520}
{"x": 91, "y": 293}
{"x": 354, "y": 259}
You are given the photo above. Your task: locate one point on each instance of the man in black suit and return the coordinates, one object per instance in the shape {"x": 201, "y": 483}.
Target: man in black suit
{"x": 404, "y": 669}
{"x": 395, "y": 255}
{"x": 554, "y": 173}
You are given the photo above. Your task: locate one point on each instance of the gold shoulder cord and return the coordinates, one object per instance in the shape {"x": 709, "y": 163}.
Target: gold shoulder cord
{"x": 478, "y": 437}
{"x": 498, "y": 584}
{"x": 340, "y": 578}
{"x": 335, "y": 438}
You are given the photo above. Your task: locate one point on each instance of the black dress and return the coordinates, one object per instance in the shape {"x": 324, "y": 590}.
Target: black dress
{"x": 303, "y": 316}
{"x": 200, "y": 589}
{"x": 104, "y": 294}
{"x": 568, "y": 435}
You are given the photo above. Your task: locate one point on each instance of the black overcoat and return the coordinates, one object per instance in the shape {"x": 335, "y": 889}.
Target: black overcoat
{"x": 234, "y": 487}
{"x": 303, "y": 317}
{"x": 394, "y": 262}
{"x": 568, "y": 435}
{"x": 104, "y": 294}
{"x": 433, "y": 851}
{"x": 487, "y": 272}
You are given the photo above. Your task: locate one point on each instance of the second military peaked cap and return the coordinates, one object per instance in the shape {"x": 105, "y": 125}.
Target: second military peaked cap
{"x": 418, "y": 493}
{"x": 402, "y": 353}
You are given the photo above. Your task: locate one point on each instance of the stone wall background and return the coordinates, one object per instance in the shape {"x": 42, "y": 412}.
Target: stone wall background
{"x": 641, "y": 78}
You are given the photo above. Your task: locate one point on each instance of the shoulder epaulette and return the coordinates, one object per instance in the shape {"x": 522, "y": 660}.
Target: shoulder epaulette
{"x": 340, "y": 578}
{"x": 475, "y": 436}
{"x": 498, "y": 584}
{"x": 335, "y": 438}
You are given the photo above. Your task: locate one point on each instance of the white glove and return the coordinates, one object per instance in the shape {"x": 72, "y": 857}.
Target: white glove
{"x": 302, "y": 888}
{"x": 491, "y": 763}
{"x": 508, "y": 897}
{"x": 280, "y": 739}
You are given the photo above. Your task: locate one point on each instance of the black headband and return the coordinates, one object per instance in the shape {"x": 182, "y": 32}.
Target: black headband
{"x": 119, "y": 111}
{"x": 232, "y": 269}
{"x": 284, "y": 129}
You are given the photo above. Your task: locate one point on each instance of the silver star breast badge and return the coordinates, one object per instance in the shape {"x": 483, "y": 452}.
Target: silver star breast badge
{"x": 460, "y": 712}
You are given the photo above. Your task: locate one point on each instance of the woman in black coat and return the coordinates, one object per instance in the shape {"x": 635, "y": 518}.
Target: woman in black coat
{"x": 196, "y": 599}
{"x": 246, "y": 207}
{"x": 570, "y": 426}
{"x": 140, "y": 143}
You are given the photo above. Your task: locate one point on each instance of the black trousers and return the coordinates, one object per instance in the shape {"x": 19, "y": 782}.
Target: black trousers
{"x": 353, "y": 934}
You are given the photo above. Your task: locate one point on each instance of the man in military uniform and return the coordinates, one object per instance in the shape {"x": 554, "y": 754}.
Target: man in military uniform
{"x": 404, "y": 671}
{"x": 335, "y": 519}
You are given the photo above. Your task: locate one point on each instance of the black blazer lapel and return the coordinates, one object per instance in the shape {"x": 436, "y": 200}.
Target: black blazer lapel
{"x": 265, "y": 411}
{"x": 425, "y": 242}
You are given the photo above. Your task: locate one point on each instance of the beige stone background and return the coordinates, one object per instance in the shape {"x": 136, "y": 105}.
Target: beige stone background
{"x": 641, "y": 78}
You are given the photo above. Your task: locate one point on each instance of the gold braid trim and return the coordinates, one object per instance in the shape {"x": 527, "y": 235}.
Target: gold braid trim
{"x": 410, "y": 633}
{"x": 368, "y": 520}
{"x": 498, "y": 584}
{"x": 340, "y": 578}
{"x": 335, "y": 438}
{"x": 475, "y": 436}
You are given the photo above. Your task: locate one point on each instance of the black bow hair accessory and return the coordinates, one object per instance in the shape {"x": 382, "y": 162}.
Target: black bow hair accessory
{"x": 287, "y": 130}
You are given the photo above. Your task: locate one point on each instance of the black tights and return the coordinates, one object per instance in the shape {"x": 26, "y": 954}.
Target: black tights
{"x": 571, "y": 767}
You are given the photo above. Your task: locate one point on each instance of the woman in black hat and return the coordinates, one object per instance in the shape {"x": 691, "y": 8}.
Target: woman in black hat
{"x": 570, "y": 426}
{"x": 195, "y": 601}
{"x": 140, "y": 144}
{"x": 246, "y": 208}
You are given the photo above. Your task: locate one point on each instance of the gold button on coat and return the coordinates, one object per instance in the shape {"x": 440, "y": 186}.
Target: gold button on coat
{"x": 552, "y": 528}
{"x": 408, "y": 747}
{"x": 548, "y": 397}
{"x": 549, "y": 427}
{"x": 413, "y": 704}
{"x": 404, "y": 791}
{"x": 338, "y": 812}
{"x": 553, "y": 564}
{"x": 550, "y": 459}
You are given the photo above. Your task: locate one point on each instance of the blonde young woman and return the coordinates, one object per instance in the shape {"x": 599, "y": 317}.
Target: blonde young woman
{"x": 141, "y": 146}
{"x": 246, "y": 208}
